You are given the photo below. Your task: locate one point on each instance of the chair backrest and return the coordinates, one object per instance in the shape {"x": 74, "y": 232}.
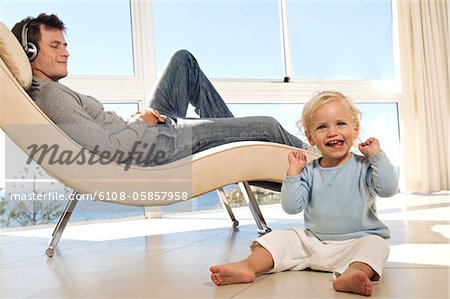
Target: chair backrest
{"x": 26, "y": 125}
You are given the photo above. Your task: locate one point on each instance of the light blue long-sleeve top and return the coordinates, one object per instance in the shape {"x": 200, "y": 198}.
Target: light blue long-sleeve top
{"x": 339, "y": 202}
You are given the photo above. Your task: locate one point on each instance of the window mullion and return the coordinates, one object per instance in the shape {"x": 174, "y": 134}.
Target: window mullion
{"x": 285, "y": 42}
{"x": 145, "y": 66}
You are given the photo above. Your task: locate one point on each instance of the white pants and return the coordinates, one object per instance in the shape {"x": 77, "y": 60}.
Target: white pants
{"x": 297, "y": 249}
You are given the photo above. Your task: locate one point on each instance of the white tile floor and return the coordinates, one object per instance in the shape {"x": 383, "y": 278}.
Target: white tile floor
{"x": 169, "y": 258}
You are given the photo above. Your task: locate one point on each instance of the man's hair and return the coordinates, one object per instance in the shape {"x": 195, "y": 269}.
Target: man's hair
{"x": 34, "y": 33}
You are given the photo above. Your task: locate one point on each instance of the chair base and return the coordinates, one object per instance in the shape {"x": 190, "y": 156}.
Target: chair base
{"x": 244, "y": 187}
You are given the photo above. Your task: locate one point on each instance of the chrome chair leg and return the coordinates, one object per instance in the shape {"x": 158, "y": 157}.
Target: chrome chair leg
{"x": 60, "y": 226}
{"x": 226, "y": 206}
{"x": 254, "y": 208}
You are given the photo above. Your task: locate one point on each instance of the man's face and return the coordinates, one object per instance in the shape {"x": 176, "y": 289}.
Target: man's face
{"x": 51, "y": 61}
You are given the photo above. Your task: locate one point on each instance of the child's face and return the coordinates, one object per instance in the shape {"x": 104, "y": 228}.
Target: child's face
{"x": 333, "y": 130}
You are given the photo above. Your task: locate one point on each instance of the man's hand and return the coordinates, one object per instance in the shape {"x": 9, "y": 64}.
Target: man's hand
{"x": 297, "y": 161}
{"x": 370, "y": 147}
{"x": 149, "y": 115}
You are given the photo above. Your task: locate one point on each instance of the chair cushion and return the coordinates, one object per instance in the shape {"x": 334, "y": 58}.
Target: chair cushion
{"x": 14, "y": 57}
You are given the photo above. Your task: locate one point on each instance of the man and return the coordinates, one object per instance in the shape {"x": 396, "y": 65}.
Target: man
{"x": 161, "y": 128}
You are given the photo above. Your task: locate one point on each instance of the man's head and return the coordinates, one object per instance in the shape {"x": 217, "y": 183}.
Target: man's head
{"x": 43, "y": 40}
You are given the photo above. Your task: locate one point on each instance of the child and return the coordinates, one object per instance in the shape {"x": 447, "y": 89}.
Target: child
{"x": 337, "y": 193}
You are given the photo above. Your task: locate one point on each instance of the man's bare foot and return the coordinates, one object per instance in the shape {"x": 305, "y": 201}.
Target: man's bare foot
{"x": 232, "y": 273}
{"x": 354, "y": 281}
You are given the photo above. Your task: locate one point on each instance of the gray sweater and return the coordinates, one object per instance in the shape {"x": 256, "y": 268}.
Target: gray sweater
{"x": 339, "y": 202}
{"x": 84, "y": 119}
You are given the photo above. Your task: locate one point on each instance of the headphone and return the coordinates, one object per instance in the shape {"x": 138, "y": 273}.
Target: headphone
{"x": 30, "y": 49}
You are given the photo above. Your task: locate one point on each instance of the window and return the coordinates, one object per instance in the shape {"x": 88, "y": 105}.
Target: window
{"x": 100, "y": 44}
{"x": 341, "y": 39}
{"x": 345, "y": 40}
{"x": 231, "y": 39}
{"x": 117, "y": 54}
{"x": 125, "y": 110}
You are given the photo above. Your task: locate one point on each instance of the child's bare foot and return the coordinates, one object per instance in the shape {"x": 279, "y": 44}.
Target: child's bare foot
{"x": 354, "y": 281}
{"x": 232, "y": 273}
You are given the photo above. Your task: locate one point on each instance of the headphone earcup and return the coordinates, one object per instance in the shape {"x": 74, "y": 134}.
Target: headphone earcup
{"x": 31, "y": 51}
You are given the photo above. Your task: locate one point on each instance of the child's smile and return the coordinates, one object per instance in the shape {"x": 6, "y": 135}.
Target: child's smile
{"x": 335, "y": 143}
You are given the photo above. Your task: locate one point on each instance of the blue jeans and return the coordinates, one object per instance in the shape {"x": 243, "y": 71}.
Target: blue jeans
{"x": 183, "y": 83}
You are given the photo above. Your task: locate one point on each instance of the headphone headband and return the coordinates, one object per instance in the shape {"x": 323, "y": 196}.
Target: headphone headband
{"x": 30, "y": 48}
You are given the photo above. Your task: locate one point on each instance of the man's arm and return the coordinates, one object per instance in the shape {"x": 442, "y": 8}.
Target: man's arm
{"x": 64, "y": 107}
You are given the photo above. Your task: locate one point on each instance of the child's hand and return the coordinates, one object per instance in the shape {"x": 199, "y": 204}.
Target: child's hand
{"x": 370, "y": 147}
{"x": 297, "y": 161}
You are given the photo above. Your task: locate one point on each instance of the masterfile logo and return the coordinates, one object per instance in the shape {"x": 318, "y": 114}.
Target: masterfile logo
{"x": 103, "y": 157}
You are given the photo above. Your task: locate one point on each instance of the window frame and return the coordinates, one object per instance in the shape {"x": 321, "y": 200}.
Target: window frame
{"x": 136, "y": 88}
{"x": 139, "y": 87}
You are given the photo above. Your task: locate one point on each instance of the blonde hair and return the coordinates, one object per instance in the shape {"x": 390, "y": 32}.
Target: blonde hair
{"x": 321, "y": 99}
